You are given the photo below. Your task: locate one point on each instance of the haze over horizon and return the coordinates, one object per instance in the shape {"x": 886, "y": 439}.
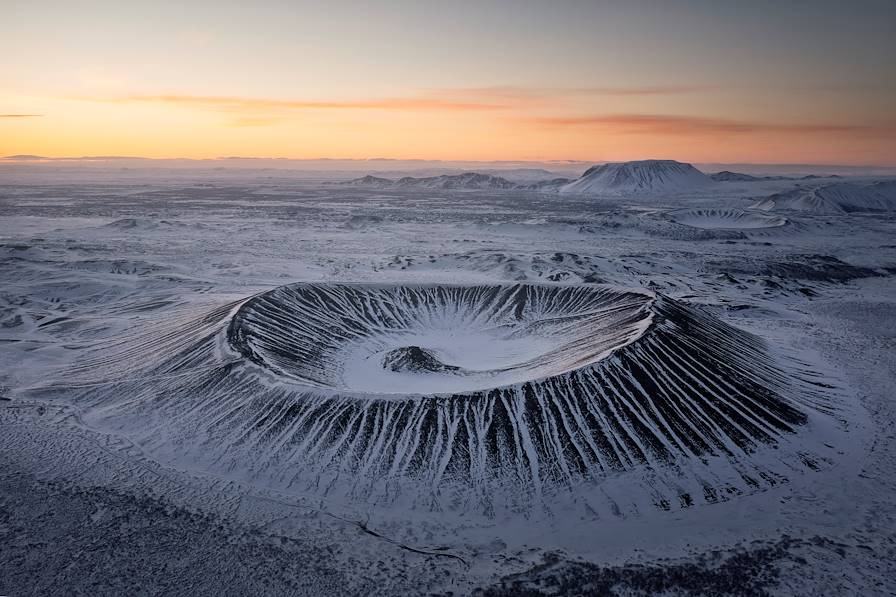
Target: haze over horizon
{"x": 693, "y": 81}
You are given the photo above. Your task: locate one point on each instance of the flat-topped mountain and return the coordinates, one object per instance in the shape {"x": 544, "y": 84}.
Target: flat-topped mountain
{"x": 643, "y": 176}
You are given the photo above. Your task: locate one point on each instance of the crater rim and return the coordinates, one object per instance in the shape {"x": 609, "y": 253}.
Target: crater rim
{"x": 241, "y": 335}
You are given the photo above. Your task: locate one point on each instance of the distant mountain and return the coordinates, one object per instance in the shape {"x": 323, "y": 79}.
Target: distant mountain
{"x": 546, "y": 186}
{"x": 522, "y": 175}
{"x": 835, "y": 198}
{"x": 465, "y": 181}
{"x": 368, "y": 181}
{"x": 645, "y": 176}
{"x": 728, "y": 176}
{"x": 887, "y": 188}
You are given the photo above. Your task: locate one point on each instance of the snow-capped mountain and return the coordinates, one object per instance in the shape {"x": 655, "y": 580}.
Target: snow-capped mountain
{"x": 728, "y": 176}
{"x": 546, "y": 186}
{"x": 836, "y": 198}
{"x": 368, "y": 181}
{"x": 467, "y": 180}
{"x": 644, "y": 176}
{"x": 522, "y": 175}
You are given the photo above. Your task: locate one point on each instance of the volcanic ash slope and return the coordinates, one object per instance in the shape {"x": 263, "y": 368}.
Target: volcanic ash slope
{"x": 493, "y": 401}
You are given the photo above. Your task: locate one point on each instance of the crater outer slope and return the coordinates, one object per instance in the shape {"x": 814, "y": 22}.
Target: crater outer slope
{"x": 602, "y": 400}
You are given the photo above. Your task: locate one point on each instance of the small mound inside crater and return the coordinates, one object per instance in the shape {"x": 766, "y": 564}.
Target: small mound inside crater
{"x": 415, "y": 359}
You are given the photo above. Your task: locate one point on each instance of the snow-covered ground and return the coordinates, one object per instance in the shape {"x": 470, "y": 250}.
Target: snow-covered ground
{"x": 148, "y": 443}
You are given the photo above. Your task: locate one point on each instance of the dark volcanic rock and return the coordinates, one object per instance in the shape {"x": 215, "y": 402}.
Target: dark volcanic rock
{"x": 414, "y": 358}
{"x": 740, "y": 571}
{"x": 818, "y": 268}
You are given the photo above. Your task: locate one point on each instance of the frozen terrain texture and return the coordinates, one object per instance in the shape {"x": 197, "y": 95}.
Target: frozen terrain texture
{"x": 842, "y": 197}
{"x": 467, "y": 180}
{"x": 314, "y": 388}
{"x": 733, "y": 219}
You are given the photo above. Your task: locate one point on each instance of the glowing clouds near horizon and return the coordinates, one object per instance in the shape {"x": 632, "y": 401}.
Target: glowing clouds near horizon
{"x": 694, "y": 81}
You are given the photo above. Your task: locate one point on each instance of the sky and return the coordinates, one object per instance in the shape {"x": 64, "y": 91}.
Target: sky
{"x": 701, "y": 81}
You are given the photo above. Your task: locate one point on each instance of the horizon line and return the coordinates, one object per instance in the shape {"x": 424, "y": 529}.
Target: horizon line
{"x": 38, "y": 158}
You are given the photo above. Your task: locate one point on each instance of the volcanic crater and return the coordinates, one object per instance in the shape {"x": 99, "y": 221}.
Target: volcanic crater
{"x": 433, "y": 339}
{"x": 473, "y": 398}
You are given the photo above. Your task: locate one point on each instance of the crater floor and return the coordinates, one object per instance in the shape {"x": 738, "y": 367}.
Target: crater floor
{"x": 474, "y": 338}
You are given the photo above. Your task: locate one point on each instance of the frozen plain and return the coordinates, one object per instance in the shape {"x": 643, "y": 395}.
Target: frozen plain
{"x": 107, "y": 490}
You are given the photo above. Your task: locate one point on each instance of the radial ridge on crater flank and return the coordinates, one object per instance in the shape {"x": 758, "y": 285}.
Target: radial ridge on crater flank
{"x": 492, "y": 400}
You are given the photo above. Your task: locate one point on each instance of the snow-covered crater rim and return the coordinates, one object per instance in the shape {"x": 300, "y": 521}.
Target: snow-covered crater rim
{"x": 726, "y": 219}
{"x": 343, "y": 337}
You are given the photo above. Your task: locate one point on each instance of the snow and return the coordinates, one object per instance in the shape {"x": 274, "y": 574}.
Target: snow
{"x": 132, "y": 425}
{"x": 728, "y": 176}
{"x": 644, "y": 176}
{"x": 493, "y": 335}
{"x": 467, "y": 180}
{"x": 836, "y": 198}
{"x": 726, "y": 219}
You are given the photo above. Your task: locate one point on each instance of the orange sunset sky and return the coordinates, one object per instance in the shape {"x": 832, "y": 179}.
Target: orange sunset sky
{"x": 763, "y": 82}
